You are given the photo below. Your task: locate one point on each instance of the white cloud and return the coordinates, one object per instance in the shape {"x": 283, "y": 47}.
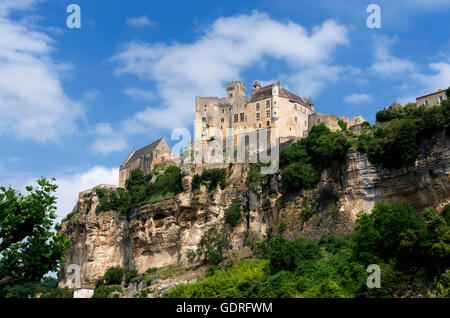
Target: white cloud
{"x": 140, "y": 93}
{"x": 139, "y": 21}
{"x": 70, "y": 185}
{"x": 225, "y": 49}
{"x": 356, "y": 98}
{"x": 32, "y": 101}
{"x": 385, "y": 63}
{"x": 107, "y": 139}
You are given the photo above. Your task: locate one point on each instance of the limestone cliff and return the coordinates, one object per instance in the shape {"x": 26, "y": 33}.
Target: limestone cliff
{"x": 161, "y": 234}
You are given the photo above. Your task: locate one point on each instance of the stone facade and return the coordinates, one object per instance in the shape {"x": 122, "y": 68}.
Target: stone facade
{"x": 270, "y": 106}
{"x": 331, "y": 121}
{"x": 145, "y": 159}
{"x": 431, "y": 99}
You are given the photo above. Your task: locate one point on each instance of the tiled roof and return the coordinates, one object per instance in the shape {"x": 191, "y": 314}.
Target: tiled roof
{"x": 138, "y": 153}
{"x": 266, "y": 92}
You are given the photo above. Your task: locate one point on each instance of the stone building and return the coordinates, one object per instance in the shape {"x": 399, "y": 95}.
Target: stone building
{"x": 270, "y": 106}
{"x": 145, "y": 159}
{"x": 331, "y": 121}
{"x": 431, "y": 99}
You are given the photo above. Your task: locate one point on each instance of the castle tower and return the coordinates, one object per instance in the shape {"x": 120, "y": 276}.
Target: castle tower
{"x": 311, "y": 104}
{"x": 255, "y": 88}
{"x": 276, "y": 88}
{"x": 235, "y": 92}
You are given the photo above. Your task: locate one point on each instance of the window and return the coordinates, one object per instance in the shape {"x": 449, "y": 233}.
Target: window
{"x": 259, "y": 125}
{"x": 223, "y": 111}
{"x": 441, "y": 99}
{"x": 268, "y": 114}
{"x": 236, "y": 118}
{"x": 242, "y": 116}
{"x": 258, "y": 116}
{"x": 257, "y": 106}
{"x": 295, "y": 119}
{"x": 268, "y": 103}
{"x": 427, "y": 102}
{"x": 222, "y": 120}
{"x": 295, "y": 106}
{"x": 268, "y": 123}
{"x": 203, "y": 119}
{"x": 231, "y": 95}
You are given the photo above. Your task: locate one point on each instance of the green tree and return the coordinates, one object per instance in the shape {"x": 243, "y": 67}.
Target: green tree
{"x": 29, "y": 248}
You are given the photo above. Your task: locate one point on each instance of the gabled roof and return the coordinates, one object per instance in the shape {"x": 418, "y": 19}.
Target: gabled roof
{"x": 266, "y": 92}
{"x": 138, "y": 153}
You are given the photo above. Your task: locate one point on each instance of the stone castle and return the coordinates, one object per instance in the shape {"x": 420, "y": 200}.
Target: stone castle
{"x": 270, "y": 106}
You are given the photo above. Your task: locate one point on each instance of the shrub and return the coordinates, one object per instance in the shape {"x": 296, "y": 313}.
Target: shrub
{"x": 114, "y": 275}
{"x": 105, "y": 291}
{"x": 233, "y": 215}
{"x": 140, "y": 191}
{"x": 212, "y": 245}
{"x": 211, "y": 178}
{"x": 299, "y": 175}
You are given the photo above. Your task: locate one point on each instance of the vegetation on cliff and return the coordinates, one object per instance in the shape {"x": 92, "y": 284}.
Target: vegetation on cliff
{"x": 392, "y": 142}
{"x": 29, "y": 248}
{"x": 411, "y": 249}
{"x": 140, "y": 190}
{"x": 210, "y": 178}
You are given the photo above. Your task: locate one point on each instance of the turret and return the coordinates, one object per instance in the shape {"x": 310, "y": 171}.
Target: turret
{"x": 235, "y": 89}
{"x": 276, "y": 88}
{"x": 255, "y": 87}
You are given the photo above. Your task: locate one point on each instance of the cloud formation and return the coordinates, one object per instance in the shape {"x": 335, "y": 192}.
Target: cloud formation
{"x": 33, "y": 103}
{"x": 139, "y": 21}
{"x": 356, "y": 98}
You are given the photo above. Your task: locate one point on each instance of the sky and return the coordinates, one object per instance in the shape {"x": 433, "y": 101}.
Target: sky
{"x": 74, "y": 102}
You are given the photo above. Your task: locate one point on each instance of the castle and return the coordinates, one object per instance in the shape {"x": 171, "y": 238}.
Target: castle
{"x": 270, "y": 106}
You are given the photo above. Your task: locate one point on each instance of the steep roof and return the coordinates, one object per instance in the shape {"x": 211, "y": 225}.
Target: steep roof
{"x": 138, "y": 153}
{"x": 266, "y": 92}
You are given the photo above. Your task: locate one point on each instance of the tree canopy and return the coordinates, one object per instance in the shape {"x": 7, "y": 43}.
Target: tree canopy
{"x": 29, "y": 247}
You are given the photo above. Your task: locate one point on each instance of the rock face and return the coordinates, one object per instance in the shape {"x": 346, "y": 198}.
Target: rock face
{"x": 161, "y": 234}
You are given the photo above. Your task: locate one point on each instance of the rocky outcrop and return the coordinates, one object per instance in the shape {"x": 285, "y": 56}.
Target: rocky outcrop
{"x": 161, "y": 234}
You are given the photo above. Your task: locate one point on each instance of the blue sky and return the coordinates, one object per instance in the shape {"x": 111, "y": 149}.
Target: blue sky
{"x": 74, "y": 102}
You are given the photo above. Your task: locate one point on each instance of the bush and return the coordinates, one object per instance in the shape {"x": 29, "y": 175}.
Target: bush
{"x": 212, "y": 245}
{"x": 211, "y": 178}
{"x": 114, "y": 275}
{"x": 105, "y": 291}
{"x": 299, "y": 175}
{"x": 233, "y": 215}
{"x": 139, "y": 191}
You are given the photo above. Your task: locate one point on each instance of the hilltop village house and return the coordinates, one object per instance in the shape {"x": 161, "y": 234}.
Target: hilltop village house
{"x": 432, "y": 99}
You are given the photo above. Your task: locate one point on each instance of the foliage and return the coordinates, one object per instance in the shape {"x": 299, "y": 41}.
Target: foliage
{"x": 31, "y": 289}
{"x": 229, "y": 283}
{"x": 211, "y": 178}
{"x": 233, "y": 215}
{"x": 254, "y": 176}
{"x": 113, "y": 275}
{"x": 212, "y": 246}
{"x": 29, "y": 248}
{"x": 411, "y": 248}
{"x": 342, "y": 124}
{"x": 395, "y": 139}
{"x": 140, "y": 191}
{"x": 58, "y": 293}
{"x": 299, "y": 175}
{"x": 105, "y": 291}
{"x": 303, "y": 162}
